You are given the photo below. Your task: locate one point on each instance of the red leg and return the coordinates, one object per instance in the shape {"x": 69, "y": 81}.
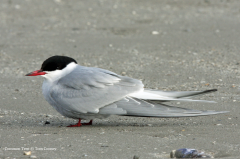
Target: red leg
{"x": 90, "y": 123}
{"x": 80, "y": 124}
{"x": 76, "y": 125}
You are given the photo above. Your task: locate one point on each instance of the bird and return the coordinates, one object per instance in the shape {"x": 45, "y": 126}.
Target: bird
{"x": 88, "y": 93}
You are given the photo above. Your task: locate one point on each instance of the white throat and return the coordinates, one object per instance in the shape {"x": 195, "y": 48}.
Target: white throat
{"x": 52, "y": 76}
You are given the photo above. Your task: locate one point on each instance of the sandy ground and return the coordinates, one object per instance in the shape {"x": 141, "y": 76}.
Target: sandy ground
{"x": 170, "y": 45}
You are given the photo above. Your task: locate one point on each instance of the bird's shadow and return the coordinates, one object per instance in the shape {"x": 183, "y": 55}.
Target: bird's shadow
{"x": 30, "y": 120}
{"x": 40, "y": 121}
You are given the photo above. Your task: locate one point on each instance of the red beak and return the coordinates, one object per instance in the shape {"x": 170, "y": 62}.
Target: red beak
{"x": 36, "y": 73}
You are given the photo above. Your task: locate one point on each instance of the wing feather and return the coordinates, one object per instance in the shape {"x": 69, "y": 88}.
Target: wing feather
{"x": 91, "y": 89}
{"x": 137, "y": 107}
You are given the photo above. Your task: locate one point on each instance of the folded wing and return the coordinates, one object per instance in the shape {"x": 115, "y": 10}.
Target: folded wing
{"x": 136, "y": 107}
{"x": 85, "y": 89}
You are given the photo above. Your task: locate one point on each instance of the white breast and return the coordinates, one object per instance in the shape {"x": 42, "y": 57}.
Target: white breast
{"x": 46, "y": 88}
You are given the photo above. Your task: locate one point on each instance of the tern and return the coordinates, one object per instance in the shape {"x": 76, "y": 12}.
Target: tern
{"x": 88, "y": 93}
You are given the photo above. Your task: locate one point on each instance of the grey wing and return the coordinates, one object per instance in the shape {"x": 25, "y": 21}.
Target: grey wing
{"x": 182, "y": 94}
{"x": 163, "y": 96}
{"x": 136, "y": 107}
{"x": 86, "y": 90}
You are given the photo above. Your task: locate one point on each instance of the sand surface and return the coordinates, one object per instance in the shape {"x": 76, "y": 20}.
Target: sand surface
{"x": 170, "y": 45}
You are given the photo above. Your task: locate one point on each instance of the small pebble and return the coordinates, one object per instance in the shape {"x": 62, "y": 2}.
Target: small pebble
{"x": 135, "y": 157}
{"x": 155, "y": 32}
{"x": 27, "y": 153}
{"x": 47, "y": 122}
{"x": 17, "y": 6}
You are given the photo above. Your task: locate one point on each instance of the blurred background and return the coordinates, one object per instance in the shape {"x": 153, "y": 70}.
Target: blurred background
{"x": 169, "y": 44}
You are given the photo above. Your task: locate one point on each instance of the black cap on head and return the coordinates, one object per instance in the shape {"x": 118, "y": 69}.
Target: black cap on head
{"x": 56, "y": 63}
